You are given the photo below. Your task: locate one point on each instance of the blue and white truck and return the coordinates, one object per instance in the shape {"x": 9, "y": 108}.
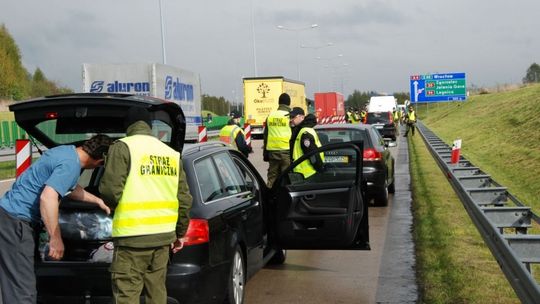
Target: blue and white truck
{"x": 151, "y": 79}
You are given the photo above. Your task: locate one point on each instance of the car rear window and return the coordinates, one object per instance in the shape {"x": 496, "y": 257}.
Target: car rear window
{"x": 378, "y": 117}
{"x": 328, "y": 136}
{"x": 63, "y": 132}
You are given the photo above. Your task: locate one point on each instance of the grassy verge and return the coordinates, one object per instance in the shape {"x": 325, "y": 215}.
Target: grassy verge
{"x": 7, "y": 170}
{"x": 453, "y": 263}
{"x": 500, "y": 135}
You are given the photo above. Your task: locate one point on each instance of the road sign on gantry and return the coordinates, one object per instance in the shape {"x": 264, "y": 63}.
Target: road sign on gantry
{"x": 438, "y": 87}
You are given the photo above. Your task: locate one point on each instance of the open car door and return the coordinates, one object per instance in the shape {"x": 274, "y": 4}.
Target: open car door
{"x": 326, "y": 210}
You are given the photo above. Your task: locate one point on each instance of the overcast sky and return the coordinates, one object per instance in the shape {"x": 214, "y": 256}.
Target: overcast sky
{"x": 382, "y": 42}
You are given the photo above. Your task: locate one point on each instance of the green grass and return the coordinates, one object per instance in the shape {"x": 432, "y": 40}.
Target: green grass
{"x": 453, "y": 264}
{"x": 7, "y": 170}
{"x": 500, "y": 133}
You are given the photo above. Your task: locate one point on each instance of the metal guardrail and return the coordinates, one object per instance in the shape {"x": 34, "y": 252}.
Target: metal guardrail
{"x": 495, "y": 212}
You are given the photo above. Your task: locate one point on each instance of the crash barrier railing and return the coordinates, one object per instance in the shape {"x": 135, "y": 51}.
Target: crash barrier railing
{"x": 502, "y": 220}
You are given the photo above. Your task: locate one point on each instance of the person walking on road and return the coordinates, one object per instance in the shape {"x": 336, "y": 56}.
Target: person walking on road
{"x": 233, "y": 135}
{"x": 35, "y": 197}
{"x": 411, "y": 121}
{"x": 145, "y": 183}
{"x": 276, "y": 139}
{"x": 305, "y": 141}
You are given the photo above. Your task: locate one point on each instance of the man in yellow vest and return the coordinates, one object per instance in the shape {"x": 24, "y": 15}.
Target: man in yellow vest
{"x": 305, "y": 141}
{"x": 276, "y": 139}
{"x": 411, "y": 121}
{"x": 363, "y": 116}
{"x": 233, "y": 135}
{"x": 145, "y": 183}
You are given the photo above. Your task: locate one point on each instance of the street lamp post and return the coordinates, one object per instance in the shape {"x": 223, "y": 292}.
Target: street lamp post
{"x": 341, "y": 78}
{"x": 297, "y": 30}
{"x": 330, "y": 59}
{"x": 162, "y": 32}
{"x": 317, "y": 48}
{"x": 253, "y": 36}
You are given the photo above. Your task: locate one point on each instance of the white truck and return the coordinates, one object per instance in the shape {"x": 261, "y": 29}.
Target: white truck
{"x": 151, "y": 79}
{"x": 382, "y": 104}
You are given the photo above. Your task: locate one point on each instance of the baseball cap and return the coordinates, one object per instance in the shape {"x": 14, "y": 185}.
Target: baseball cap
{"x": 296, "y": 111}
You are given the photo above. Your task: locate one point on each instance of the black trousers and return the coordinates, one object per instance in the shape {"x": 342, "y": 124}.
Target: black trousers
{"x": 17, "y": 277}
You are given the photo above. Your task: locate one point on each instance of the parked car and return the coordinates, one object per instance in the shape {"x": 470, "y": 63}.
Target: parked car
{"x": 378, "y": 163}
{"x": 384, "y": 123}
{"x": 237, "y": 224}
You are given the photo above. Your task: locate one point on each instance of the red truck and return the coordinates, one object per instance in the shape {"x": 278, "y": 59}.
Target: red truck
{"x": 329, "y": 104}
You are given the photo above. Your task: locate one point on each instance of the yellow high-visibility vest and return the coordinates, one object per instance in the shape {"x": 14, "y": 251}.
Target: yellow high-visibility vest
{"x": 149, "y": 202}
{"x": 305, "y": 167}
{"x": 279, "y": 131}
{"x": 228, "y": 134}
{"x": 412, "y": 116}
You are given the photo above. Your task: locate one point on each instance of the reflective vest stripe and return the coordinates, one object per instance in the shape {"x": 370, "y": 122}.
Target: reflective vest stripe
{"x": 147, "y": 206}
{"x": 279, "y": 131}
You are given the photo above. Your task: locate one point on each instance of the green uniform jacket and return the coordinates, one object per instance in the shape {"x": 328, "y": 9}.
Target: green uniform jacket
{"x": 112, "y": 184}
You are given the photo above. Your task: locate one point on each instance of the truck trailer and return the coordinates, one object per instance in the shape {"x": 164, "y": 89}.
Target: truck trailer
{"x": 329, "y": 104}
{"x": 261, "y": 95}
{"x": 150, "y": 79}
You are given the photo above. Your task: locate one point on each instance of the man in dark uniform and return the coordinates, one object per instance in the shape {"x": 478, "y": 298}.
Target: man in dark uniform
{"x": 306, "y": 141}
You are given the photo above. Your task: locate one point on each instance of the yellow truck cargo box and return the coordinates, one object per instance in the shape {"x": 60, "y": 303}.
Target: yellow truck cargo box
{"x": 261, "y": 95}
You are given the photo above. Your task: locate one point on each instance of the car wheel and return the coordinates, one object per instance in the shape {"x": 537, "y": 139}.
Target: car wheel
{"x": 381, "y": 198}
{"x": 279, "y": 257}
{"x": 392, "y": 187}
{"x": 237, "y": 279}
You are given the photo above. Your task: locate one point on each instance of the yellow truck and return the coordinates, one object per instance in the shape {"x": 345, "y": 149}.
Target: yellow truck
{"x": 261, "y": 96}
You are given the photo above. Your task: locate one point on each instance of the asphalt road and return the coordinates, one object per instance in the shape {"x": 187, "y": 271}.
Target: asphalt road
{"x": 383, "y": 275}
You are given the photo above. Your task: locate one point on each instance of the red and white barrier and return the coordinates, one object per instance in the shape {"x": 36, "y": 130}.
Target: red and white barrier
{"x": 203, "y": 136}
{"x": 23, "y": 155}
{"x": 456, "y": 150}
{"x": 247, "y": 133}
{"x": 336, "y": 119}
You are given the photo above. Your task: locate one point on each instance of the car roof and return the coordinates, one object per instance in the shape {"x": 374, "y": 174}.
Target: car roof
{"x": 344, "y": 126}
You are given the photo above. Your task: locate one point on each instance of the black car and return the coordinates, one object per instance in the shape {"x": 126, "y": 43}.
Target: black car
{"x": 237, "y": 224}
{"x": 378, "y": 163}
{"x": 384, "y": 123}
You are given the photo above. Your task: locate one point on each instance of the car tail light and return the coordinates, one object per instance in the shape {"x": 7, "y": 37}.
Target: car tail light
{"x": 197, "y": 232}
{"x": 51, "y": 115}
{"x": 371, "y": 154}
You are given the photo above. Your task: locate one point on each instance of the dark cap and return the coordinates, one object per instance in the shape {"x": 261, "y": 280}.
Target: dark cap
{"x": 135, "y": 114}
{"x": 296, "y": 111}
{"x": 235, "y": 114}
{"x": 285, "y": 99}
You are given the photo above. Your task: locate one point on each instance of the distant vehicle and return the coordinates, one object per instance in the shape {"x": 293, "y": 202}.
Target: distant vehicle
{"x": 329, "y": 104}
{"x": 237, "y": 224}
{"x": 167, "y": 82}
{"x": 382, "y": 104}
{"x": 261, "y": 96}
{"x": 384, "y": 123}
{"x": 378, "y": 163}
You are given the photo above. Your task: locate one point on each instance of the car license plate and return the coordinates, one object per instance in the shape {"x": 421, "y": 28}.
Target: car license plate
{"x": 337, "y": 159}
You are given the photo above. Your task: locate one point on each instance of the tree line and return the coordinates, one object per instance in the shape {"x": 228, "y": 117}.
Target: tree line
{"x": 16, "y": 83}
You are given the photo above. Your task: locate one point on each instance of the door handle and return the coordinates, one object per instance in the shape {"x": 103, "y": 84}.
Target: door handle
{"x": 309, "y": 197}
